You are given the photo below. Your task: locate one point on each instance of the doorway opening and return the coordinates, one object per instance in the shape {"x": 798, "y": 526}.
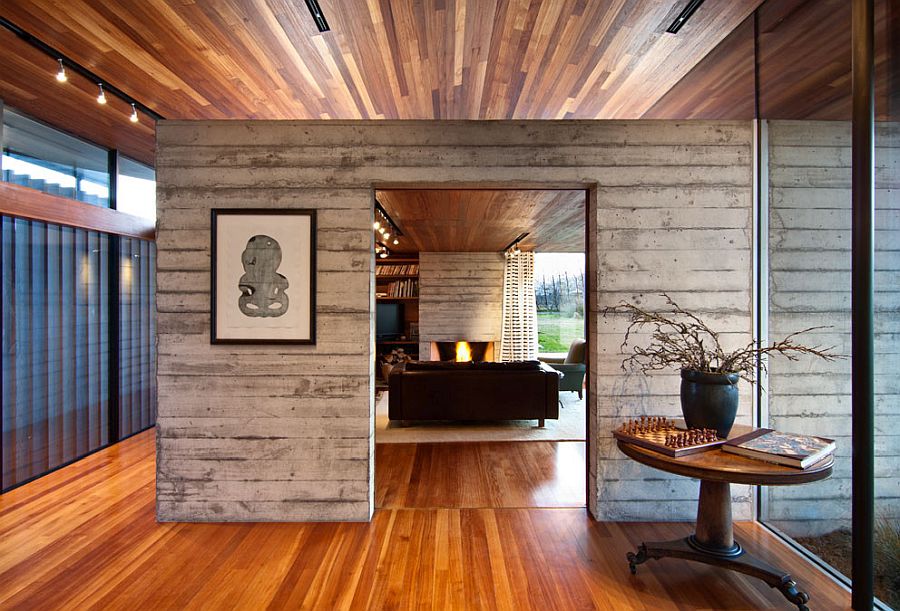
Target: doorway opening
{"x": 481, "y": 347}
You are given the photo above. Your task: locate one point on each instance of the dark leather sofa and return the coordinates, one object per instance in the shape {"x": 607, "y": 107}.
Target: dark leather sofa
{"x": 440, "y": 390}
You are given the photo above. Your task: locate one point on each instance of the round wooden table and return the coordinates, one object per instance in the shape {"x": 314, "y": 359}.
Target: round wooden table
{"x": 713, "y": 541}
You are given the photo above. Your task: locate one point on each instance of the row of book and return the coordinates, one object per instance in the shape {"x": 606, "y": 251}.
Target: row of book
{"x": 401, "y": 288}
{"x": 411, "y": 269}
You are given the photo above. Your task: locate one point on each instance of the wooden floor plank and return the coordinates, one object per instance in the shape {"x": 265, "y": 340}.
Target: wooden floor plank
{"x": 86, "y": 537}
{"x": 481, "y": 474}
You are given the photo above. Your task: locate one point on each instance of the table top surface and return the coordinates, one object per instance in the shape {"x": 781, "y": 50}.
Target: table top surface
{"x": 720, "y": 466}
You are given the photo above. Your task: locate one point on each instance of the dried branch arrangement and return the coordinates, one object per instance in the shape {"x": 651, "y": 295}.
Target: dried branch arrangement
{"x": 682, "y": 340}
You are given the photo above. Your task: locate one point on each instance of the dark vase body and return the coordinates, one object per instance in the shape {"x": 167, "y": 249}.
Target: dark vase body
{"x": 709, "y": 400}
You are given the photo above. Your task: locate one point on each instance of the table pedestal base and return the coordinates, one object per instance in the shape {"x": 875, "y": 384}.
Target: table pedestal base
{"x": 740, "y": 561}
{"x": 714, "y": 544}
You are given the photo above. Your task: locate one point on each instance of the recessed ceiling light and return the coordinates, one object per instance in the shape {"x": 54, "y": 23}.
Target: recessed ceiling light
{"x": 318, "y": 16}
{"x": 683, "y": 16}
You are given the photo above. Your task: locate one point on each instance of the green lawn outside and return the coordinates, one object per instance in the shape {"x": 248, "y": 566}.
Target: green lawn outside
{"x": 556, "y": 331}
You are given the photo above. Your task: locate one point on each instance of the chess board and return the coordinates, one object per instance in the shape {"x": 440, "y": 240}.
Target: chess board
{"x": 653, "y": 433}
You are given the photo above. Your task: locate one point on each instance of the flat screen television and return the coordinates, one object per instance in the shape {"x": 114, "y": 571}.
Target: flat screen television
{"x": 388, "y": 321}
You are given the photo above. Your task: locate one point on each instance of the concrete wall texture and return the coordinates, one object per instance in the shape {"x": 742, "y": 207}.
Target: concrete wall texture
{"x": 460, "y": 297}
{"x": 286, "y": 432}
{"x": 809, "y": 286}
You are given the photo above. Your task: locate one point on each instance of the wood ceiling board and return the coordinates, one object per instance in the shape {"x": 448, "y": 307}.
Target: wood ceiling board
{"x": 804, "y": 67}
{"x": 486, "y": 220}
{"x": 28, "y": 84}
{"x": 721, "y": 86}
{"x": 437, "y": 59}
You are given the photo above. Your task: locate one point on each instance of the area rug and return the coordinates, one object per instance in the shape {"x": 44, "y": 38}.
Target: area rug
{"x": 571, "y": 426}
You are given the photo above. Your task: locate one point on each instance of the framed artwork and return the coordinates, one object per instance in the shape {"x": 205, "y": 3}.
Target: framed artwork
{"x": 263, "y": 276}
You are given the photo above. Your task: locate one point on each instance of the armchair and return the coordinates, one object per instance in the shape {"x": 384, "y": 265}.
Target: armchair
{"x": 572, "y": 367}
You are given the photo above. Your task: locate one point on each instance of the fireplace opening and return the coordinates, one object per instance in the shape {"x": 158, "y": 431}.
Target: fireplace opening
{"x": 463, "y": 351}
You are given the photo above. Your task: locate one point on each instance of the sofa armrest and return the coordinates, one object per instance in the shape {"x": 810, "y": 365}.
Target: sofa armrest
{"x": 570, "y": 367}
{"x": 395, "y": 394}
{"x": 551, "y": 400}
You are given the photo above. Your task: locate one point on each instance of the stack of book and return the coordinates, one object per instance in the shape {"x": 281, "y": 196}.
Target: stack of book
{"x": 788, "y": 449}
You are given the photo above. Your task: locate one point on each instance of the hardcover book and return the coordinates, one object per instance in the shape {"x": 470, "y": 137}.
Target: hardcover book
{"x": 788, "y": 449}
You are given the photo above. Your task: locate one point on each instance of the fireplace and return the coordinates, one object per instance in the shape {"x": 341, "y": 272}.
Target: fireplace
{"x": 462, "y": 350}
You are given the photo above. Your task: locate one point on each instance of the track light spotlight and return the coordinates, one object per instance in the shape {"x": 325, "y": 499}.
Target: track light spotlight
{"x": 386, "y": 235}
{"x": 377, "y": 225}
{"x": 134, "y": 116}
{"x": 396, "y": 241}
{"x": 61, "y": 73}
{"x": 101, "y": 97}
{"x": 383, "y": 255}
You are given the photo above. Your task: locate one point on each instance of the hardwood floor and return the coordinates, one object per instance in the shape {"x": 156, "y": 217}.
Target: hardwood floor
{"x": 86, "y": 537}
{"x": 480, "y": 475}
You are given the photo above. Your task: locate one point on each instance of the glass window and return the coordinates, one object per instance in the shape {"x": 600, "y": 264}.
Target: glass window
{"x": 887, "y": 319}
{"x": 810, "y": 204}
{"x": 55, "y": 319}
{"x": 43, "y": 158}
{"x": 137, "y": 335}
{"x": 559, "y": 292}
{"x": 136, "y": 189}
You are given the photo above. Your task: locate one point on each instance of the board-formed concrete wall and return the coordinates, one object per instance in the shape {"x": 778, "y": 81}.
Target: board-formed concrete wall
{"x": 809, "y": 263}
{"x": 460, "y": 297}
{"x": 285, "y": 433}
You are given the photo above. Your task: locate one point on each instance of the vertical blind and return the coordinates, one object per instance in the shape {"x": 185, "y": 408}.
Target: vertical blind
{"x": 137, "y": 336}
{"x": 56, "y": 360}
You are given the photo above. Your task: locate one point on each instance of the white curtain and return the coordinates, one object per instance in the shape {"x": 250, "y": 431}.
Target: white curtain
{"x": 518, "y": 340}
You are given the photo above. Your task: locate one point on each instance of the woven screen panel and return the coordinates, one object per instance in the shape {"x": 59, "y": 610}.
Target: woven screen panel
{"x": 518, "y": 341}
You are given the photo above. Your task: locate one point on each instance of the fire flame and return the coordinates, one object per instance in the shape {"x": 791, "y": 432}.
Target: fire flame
{"x": 463, "y": 352}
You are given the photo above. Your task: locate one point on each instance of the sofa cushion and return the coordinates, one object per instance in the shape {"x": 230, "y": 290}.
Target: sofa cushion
{"x": 509, "y": 366}
{"x": 437, "y": 366}
{"x": 576, "y": 352}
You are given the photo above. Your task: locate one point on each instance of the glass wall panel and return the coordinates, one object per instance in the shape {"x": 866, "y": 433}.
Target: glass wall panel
{"x": 809, "y": 287}
{"x": 137, "y": 335}
{"x": 559, "y": 293}
{"x": 809, "y": 279}
{"x": 887, "y": 305}
{"x": 55, "y": 319}
{"x": 136, "y": 189}
{"x": 887, "y": 362}
{"x": 46, "y": 159}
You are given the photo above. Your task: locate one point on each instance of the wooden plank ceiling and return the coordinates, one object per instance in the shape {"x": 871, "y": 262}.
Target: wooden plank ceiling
{"x": 27, "y": 82}
{"x": 383, "y": 59}
{"x": 804, "y": 67}
{"x": 465, "y": 220}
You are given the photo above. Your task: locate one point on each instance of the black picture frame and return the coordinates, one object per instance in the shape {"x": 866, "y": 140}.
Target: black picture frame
{"x": 217, "y": 214}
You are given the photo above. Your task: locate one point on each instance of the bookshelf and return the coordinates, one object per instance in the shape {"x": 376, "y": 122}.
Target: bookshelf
{"x": 397, "y": 281}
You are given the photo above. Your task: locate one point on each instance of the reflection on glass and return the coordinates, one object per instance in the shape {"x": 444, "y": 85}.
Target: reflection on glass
{"x": 559, "y": 292}
{"x": 136, "y": 189}
{"x": 55, "y": 386}
{"x": 809, "y": 286}
{"x": 46, "y": 159}
{"x": 887, "y": 317}
{"x": 137, "y": 335}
